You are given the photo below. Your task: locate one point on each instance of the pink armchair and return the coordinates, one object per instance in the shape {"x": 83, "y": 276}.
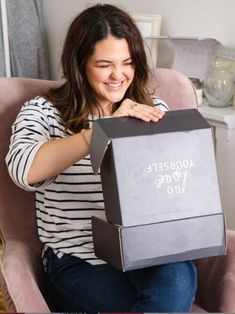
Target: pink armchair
{"x": 20, "y": 264}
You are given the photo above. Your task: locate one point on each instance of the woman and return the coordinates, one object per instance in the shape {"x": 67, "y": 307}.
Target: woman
{"x": 105, "y": 70}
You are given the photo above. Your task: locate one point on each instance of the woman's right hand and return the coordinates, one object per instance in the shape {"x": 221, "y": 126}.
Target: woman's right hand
{"x": 129, "y": 108}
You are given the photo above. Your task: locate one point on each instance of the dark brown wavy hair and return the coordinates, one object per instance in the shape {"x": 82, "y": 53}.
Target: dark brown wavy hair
{"x": 75, "y": 98}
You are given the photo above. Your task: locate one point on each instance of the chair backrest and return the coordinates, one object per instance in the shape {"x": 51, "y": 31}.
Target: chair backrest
{"x": 174, "y": 88}
{"x": 17, "y": 209}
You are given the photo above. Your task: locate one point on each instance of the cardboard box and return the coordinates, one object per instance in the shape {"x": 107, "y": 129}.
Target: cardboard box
{"x": 160, "y": 190}
{"x": 156, "y": 172}
{"x": 128, "y": 248}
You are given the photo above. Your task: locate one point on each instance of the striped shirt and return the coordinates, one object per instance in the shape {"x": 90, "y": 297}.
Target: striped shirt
{"x": 65, "y": 203}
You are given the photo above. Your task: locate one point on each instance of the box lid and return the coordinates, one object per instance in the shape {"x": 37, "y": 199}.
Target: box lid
{"x": 107, "y": 130}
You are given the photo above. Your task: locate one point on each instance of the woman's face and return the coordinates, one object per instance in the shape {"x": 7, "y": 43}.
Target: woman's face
{"x": 110, "y": 71}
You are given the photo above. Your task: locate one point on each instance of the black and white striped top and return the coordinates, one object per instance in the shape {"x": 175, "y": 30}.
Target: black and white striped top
{"x": 65, "y": 203}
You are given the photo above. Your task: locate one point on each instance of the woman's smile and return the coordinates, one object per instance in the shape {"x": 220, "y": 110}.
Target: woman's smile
{"x": 114, "y": 85}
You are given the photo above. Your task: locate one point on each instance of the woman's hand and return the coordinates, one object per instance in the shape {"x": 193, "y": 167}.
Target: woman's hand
{"x": 129, "y": 108}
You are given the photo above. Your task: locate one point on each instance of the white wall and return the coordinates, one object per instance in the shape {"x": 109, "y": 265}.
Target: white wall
{"x": 200, "y": 18}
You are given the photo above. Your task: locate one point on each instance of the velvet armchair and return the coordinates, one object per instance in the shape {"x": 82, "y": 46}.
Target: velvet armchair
{"x": 21, "y": 274}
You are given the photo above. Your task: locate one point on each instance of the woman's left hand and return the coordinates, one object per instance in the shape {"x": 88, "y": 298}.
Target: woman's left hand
{"x": 129, "y": 108}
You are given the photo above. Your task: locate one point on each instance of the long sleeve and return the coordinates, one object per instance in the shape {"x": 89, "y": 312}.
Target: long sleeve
{"x": 30, "y": 130}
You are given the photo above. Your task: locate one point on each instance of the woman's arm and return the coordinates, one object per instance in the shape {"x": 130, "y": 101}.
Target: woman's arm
{"x": 55, "y": 156}
{"x": 35, "y": 158}
{"x": 38, "y": 151}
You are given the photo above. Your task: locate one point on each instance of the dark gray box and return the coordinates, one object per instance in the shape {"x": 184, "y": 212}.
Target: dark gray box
{"x": 153, "y": 172}
{"x": 160, "y": 190}
{"x": 128, "y": 248}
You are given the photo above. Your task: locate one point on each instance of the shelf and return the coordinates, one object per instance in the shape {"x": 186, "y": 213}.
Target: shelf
{"x": 224, "y": 115}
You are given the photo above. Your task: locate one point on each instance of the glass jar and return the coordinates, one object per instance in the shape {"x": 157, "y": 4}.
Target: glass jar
{"x": 218, "y": 87}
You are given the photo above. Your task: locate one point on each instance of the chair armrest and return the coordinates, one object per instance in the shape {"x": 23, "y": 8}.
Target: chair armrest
{"x": 216, "y": 280}
{"x": 21, "y": 272}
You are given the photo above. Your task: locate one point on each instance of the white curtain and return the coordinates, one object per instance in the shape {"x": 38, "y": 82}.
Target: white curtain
{"x": 27, "y": 40}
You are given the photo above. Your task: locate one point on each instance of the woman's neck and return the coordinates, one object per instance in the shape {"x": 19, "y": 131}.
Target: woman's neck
{"x": 107, "y": 110}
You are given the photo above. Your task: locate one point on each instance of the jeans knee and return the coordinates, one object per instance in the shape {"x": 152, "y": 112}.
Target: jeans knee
{"x": 184, "y": 285}
{"x": 181, "y": 286}
{"x": 172, "y": 288}
{"x": 185, "y": 275}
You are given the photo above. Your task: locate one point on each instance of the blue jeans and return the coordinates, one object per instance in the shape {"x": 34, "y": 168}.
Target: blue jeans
{"x": 77, "y": 286}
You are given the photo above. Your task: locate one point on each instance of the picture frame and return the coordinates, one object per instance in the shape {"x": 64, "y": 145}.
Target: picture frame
{"x": 150, "y": 27}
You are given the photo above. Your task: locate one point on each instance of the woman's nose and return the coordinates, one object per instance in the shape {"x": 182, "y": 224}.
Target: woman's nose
{"x": 117, "y": 73}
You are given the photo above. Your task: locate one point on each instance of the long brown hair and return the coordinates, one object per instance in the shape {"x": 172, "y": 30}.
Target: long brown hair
{"x": 75, "y": 98}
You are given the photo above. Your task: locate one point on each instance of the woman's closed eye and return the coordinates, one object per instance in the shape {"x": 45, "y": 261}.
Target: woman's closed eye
{"x": 103, "y": 65}
{"x": 128, "y": 63}
{"x": 109, "y": 65}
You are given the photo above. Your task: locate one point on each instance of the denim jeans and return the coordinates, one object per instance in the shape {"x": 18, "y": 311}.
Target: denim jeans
{"x": 77, "y": 286}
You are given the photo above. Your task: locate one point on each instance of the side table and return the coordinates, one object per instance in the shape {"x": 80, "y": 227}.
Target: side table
{"x": 223, "y": 122}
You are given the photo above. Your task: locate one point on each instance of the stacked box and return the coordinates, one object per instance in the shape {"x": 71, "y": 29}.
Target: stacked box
{"x": 160, "y": 190}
